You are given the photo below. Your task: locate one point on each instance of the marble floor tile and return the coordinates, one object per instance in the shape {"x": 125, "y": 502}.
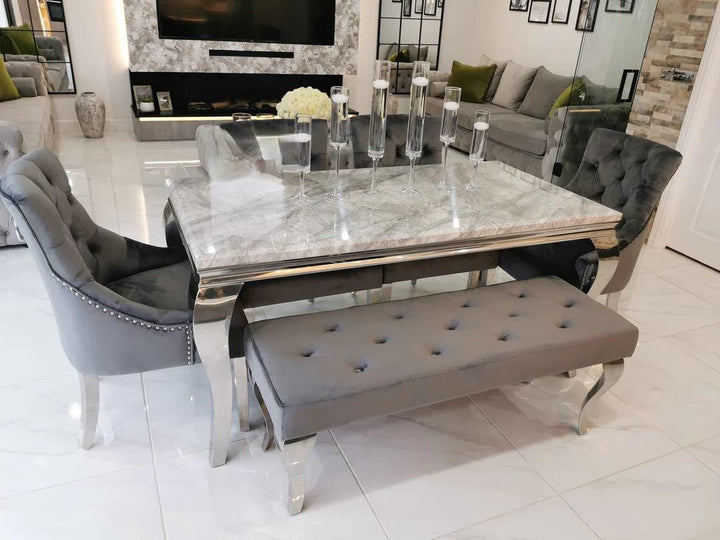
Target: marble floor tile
{"x": 179, "y": 411}
{"x": 40, "y": 424}
{"x": 664, "y": 308}
{"x": 549, "y": 519}
{"x": 703, "y": 344}
{"x": 708, "y": 452}
{"x": 245, "y": 498}
{"x": 652, "y": 259}
{"x": 120, "y": 505}
{"x": 438, "y": 469}
{"x": 540, "y": 420}
{"x": 673, "y": 390}
{"x": 673, "y": 497}
{"x": 699, "y": 280}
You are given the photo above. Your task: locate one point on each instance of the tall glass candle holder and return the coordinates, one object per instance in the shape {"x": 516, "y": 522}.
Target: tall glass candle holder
{"x": 378, "y": 116}
{"x": 448, "y": 126}
{"x": 416, "y": 119}
{"x": 303, "y": 140}
{"x": 339, "y": 128}
{"x": 481, "y": 124}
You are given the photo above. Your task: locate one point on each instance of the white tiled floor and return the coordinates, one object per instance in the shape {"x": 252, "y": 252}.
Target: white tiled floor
{"x": 498, "y": 465}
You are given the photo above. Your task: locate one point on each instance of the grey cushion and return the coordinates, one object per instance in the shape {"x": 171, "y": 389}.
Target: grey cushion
{"x": 519, "y": 131}
{"x": 166, "y": 287}
{"x": 497, "y": 76}
{"x": 597, "y": 94}
{"x": 333, "y": 368}
{"x": 25, "y": 86}
{"x": 543, "y": 92}
{"x": 514, "y": 85}
{"x": 37, "y": 71}
{"x": 466, "y": 113}
{"x": 418, "y": 54}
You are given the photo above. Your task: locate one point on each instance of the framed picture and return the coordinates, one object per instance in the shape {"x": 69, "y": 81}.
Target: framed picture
{"x": 431, "y": 7}
{"x": 164, "y": 102}
{"x": 519, "y": 5}
{"x": 539, "y": 11}
{"x": 407, "y": 8}
{"x": 587, "y": 15}
{"x": 142, "y": 93}
{"x": 620, "y": 6}
{"x": 419, "y": 6}
{"x": 561, "y": 11}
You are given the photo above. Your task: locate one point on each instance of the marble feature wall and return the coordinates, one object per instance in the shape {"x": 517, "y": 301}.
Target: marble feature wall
{"x": 150, "y": 53}
{"x": 677, "y": 40}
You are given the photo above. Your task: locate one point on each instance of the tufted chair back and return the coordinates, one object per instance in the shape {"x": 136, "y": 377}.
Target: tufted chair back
{"x": 627, "y": 174}
{"x": 103, "y": 333}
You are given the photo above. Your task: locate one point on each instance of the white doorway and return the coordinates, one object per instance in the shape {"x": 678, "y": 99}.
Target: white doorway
{"x": 689, "y": 219}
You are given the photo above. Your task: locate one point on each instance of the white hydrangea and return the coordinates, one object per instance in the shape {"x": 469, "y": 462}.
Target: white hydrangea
{"x": 306, "y": 101}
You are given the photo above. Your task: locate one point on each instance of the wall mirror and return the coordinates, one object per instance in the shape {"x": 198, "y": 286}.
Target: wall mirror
{"x": 409, "y": 30}
{"x": 34, "y": 31}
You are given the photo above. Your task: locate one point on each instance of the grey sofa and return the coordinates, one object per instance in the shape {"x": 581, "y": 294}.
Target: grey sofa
{"x": 52, "y": 57}
{"x": 121, "y": 306}
{"x": 401, "y": 73}
{"x": 25, "y": 124}
{"x": 525, "y": 137}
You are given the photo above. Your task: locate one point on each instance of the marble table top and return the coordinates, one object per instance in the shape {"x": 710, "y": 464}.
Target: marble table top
{"x": 253, "y": 221}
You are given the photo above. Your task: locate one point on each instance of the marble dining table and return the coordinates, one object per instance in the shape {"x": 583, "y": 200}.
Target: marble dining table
{"x": 252, "y": 227}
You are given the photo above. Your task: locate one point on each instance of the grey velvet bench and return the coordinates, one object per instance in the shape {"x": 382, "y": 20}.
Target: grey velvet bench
{"x": 321, "y": 370}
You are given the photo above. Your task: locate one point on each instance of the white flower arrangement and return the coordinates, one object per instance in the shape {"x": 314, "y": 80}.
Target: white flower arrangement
{"x": 306, "y": 101}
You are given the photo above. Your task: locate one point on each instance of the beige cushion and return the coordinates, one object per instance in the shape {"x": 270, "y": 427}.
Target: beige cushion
{"x": 33, "y": 115}
{"x": 514, "y": 85}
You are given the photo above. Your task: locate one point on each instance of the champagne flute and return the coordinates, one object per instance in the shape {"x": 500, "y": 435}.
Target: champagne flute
{"x": 339, "y": 128}
{"x": 416, "y": 119}
{"x": 378, "y": 117}
{"x": 303, "y": 139}
{"x": 481, "y": 125}
{"x": 448, "y": 127}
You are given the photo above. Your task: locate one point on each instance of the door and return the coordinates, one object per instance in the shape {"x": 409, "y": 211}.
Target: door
{"x": 695, "y": 229}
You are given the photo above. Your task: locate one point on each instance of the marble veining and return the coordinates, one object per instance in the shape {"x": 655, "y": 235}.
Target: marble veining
{"x": 148, "y": 52}
{"x": 252, "y": 220}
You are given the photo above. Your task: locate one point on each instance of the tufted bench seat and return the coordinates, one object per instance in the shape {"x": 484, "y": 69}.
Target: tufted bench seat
{"x": 317, "y": 371}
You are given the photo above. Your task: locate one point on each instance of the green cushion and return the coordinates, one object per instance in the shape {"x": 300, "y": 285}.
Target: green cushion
{"x": 7, "y": 45}
{"x": 402, "y": 56}
{"x": 474, "y": 80}
{"x": 23, "y": 38}
{"x": 8, "y": 90}
{"x": 572, "y": 95}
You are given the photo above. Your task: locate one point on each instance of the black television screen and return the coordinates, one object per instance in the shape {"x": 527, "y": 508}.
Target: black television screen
{"x": 306, "y": 22}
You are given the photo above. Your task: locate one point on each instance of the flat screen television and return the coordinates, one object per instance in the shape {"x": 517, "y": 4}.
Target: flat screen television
{"x": 305, "y": 22}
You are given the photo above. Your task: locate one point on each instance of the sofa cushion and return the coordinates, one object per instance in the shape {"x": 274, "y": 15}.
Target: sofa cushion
{"x": 23, "y": 38}
{"x": 520, "y": 132}
{"x": 418, "y": 54}
{"x": 497, "y": 76}
{"x": 33, "y": 115}
{"x": 597, "y": 94}
{"x": 8, "y": 90}
{"x": 434, "y": 106}
{"x": 543, "y": 92}
{"x": 473, "y": 80}
{"x": 574, "y": 94}
{"x": 36, "y": 70}
{"x": 514, "y": 85}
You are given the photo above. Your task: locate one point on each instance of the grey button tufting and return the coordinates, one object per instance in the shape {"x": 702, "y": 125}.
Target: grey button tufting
{"x": 360, "y": 369}
{"x": 453, "y": 325}
{"x": 308, "y": 354}
{"x": 569, "y": 304}
{"x": 504, "y": 337}
{"x": 466, "y": 304}
{"x": 381, "y": 340}
{"x": 522, "y": 295}
{"x": 436, "y": 352}
{"x": 400, "y": 316}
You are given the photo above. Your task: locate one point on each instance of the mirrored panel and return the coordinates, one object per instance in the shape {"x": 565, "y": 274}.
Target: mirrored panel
{"x": 409, "y": 30}
{"x": 34, "y": 31}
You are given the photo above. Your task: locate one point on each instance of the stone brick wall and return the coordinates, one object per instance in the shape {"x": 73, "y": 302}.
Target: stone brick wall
{"x": 677, "y": 40}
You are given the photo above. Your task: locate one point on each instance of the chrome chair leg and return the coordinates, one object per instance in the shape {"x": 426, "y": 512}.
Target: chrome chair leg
{"x": 473, "y": 279}
{"x": 294, "y": 454}
{"x": 613, "y": 301}
{"x": 570, "y": 374}
{"x": 240, "y": 377}
{"x": 89, "y": 408}
{"x": 311, "y": 300}
{"x": 269, "y": 428}
{"x": 413, "y": 282}
{"x": 610, "y": 375}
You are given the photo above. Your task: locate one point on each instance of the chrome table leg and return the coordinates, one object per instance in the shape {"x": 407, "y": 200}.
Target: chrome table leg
{"x": 269, "y": 428}
{"x": 613, "y": 300}
{"x": 610, "y": 375}
{"x": 386, "y": 292}
{"x": 473, "y": 279}
{"x": 89, "y": 408}
{"x": 240, "y": 374}
{"x": 211, "y": 321}
{"x": 294, "y": 454}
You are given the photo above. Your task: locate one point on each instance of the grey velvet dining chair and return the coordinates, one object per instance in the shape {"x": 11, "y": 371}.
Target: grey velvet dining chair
{"x": 625, "y": 173}
{"x": 120, "y": 306}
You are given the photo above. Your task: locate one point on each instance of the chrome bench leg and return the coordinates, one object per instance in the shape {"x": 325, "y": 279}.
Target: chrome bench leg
{"x": 294, "y": 454}
{"x": 610, "y": 375}
{"x": 89, "y": 408}
{"x": 269, "y": 428}
{"x": 240, "y": 375}
{"x": 613, "y": 301}
{"x": 374, "y": 296}
{"x": 570, "y": 374}
{"x": 386, "y": 292}
{"x": 477, "y": 278}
